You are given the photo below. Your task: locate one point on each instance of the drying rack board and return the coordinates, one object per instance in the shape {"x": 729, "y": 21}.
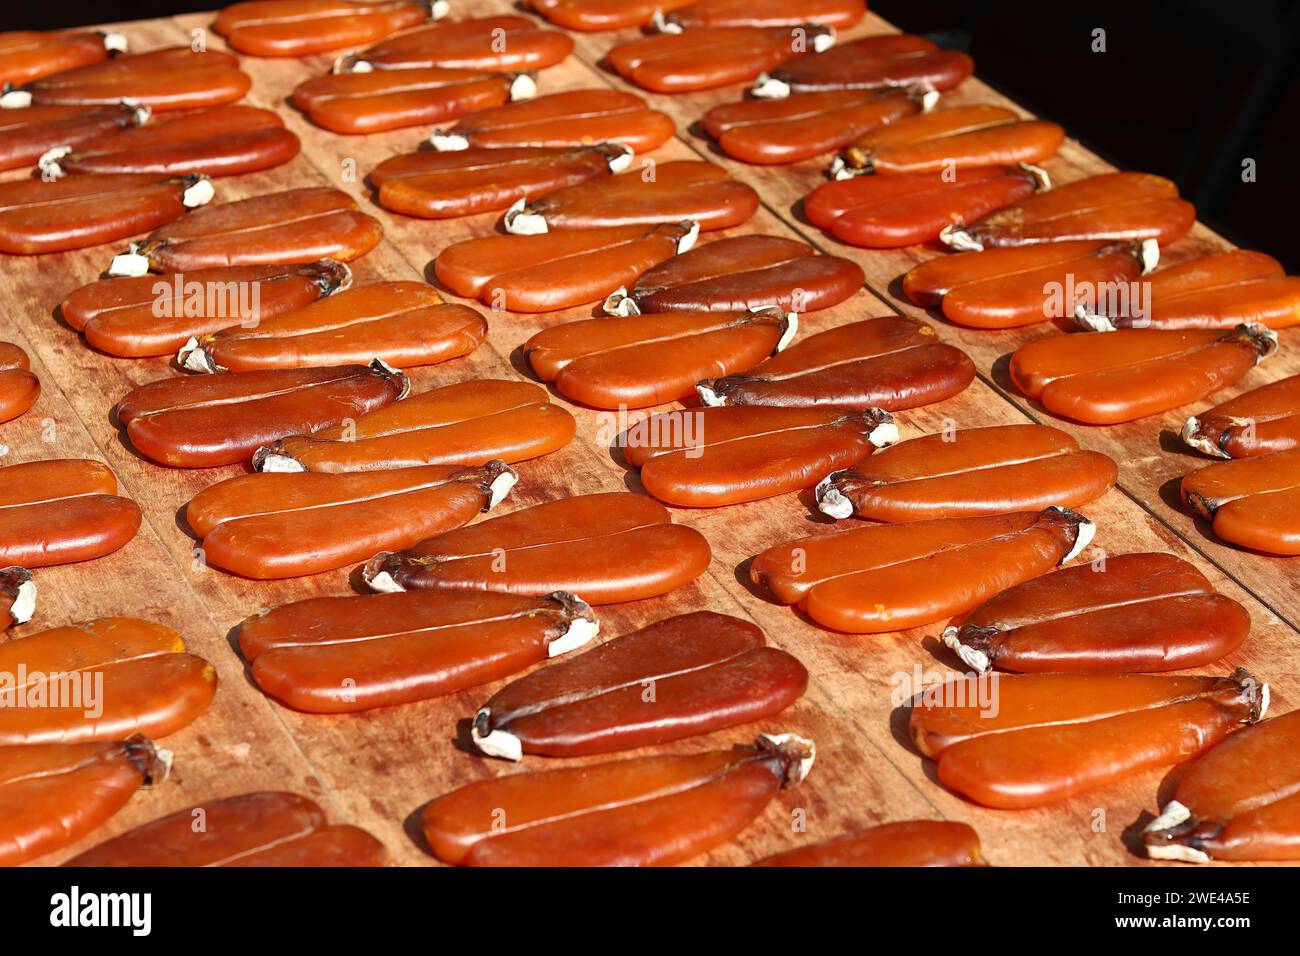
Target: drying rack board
{"x": 378, "y": 769}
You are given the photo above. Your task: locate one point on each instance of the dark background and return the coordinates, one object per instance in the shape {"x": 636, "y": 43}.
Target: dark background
{"x": 1187, "y": 89}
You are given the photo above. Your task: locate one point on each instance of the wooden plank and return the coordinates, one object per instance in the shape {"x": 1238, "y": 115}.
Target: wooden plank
{"x": 1152, "y": 459}
{"x": 376, "y": 769}
{"x": 240, "y": 743}
{"x": 354, "y": 754}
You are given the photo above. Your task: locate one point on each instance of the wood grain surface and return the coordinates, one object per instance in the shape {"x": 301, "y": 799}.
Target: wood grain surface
{"x": 377, "y": 769}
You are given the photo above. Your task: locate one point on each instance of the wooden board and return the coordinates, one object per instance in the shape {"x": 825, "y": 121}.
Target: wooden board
{"x": 379, "y": 768}
{"x": 1151, "y": 456}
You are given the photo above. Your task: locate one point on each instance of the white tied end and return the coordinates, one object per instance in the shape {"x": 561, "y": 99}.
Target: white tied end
{"x": 663, "y": 25}
{"x": 708, "y": 396}
{"x": 523, "y": 87}
{"x": 500, "y": 488}
{"x": 958, "y": 238}
{"x": 976, "y": 660}
{"x": 141, "y": 113}
{"x": 495, "y": 743}
{"x": 1268, "y": 337}
{"x": 275, "y": 464}
{"x": 839, "y": 170}
{"x": 791, "y": 330}
{"x": 129, "y": 264}
{"x": 24, "y": 605}
{"x": 623, "y": 161}
{"x": 345, "y": 273}
{"x": 382, "y": 582}
{"x": 195, "y": 358}
{"x": 1092, "y": 321}
{"x": 621, "y": 304}
{"x": 164, "y": 759}
{"x": 1149, "y": 255}
{"x": 1043, "y": 180}
{"x": 198, "y": 194}
{"x": 520, "y": 222}
{"x": 48, "y": 164}
{"x": 799, "y": 771}
{"x": 687, "y": 242}
{"x": 15, "y": 100}
{"x": 830, "y": 501}
{"x": 1173, "y": 815}
{"x": 404, "y": 381}
{"x": 445, "y": 142}
{"x": 1084, "y": 533}
{"x": 884, "y": 434}
{"x": 770, "y": 88}
{"x": 1192, "y": 437}
{"x": 581, "y": 631}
